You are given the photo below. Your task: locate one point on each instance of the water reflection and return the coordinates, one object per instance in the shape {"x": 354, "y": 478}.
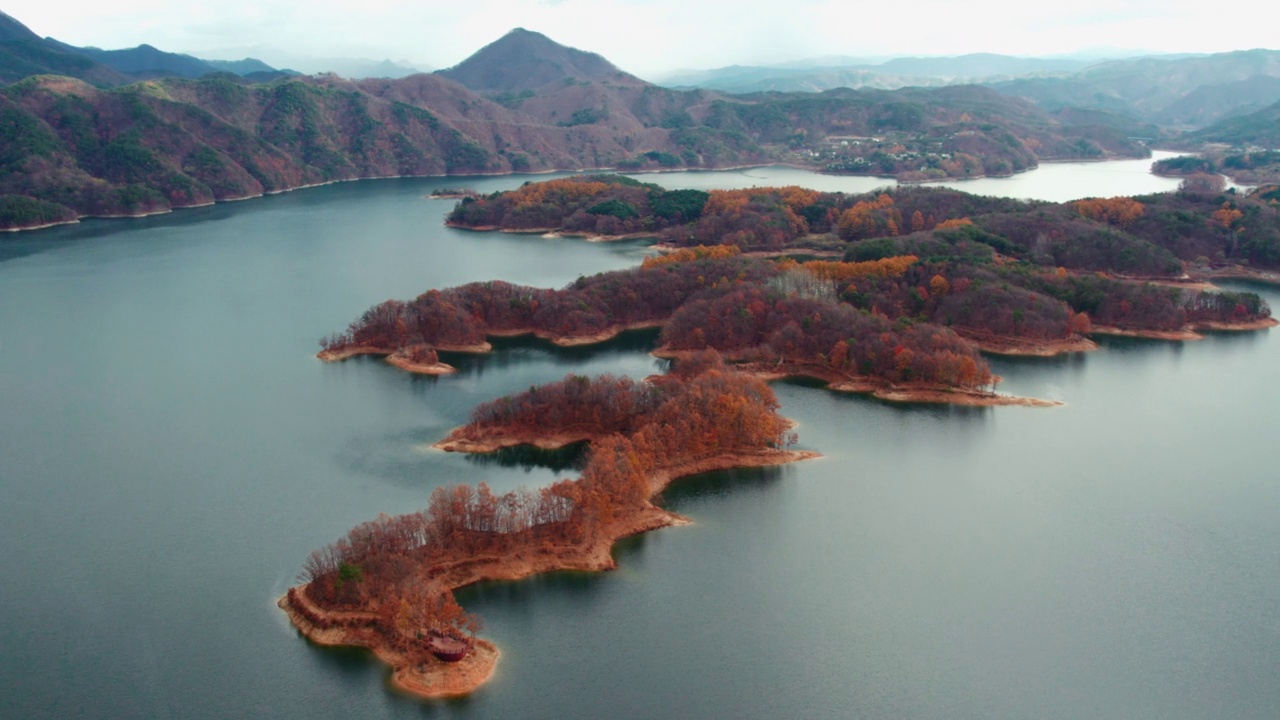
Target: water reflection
{"x": 516, "y": 595}
{"x": 721, "y": 483}
{"x": 569, "y": 457}
{"x": 1234, "y": 340}
{"x": 513, "y": 352}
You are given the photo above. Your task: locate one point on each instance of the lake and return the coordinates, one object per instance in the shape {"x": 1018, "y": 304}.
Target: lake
{"x": 171, "y": 451}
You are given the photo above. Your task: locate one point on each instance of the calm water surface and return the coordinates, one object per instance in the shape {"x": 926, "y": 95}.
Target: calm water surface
{"x": 170, "y": 451}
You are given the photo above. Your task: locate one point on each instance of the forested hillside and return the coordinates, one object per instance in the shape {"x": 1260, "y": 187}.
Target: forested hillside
{"x": 73, "y": 148}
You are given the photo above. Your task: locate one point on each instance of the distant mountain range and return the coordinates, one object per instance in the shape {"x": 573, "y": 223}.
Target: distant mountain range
{"x": 23, "y": 53}
{"x": 849, "y": 72}
{"x": 1256, "y": 129}
{"x": 92, "y": 142}
{"x": 1179, "y": 92}
{"x": 1183, "y": 92}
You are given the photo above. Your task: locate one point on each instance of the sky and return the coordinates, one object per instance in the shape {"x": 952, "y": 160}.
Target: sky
{"x": 651, "y": 37}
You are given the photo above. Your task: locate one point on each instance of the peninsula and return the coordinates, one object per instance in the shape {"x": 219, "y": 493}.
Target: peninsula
{"x": 388, "y": 585}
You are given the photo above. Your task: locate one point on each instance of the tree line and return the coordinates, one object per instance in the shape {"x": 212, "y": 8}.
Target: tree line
{"x": 1149, "y": 236}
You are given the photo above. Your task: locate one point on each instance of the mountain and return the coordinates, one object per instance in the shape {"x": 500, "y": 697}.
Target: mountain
{"x": 526, "y": 61}
{"x": 23, "y": 53}
{"x": 807, "y": 76}
{"x": 1208, "y": 104}
{"x": 347, "y": 67}
{"x": 244, "y": 67}
{"x": 976, "y": 65}
{"x": 357, "y": 69}
{"x": 1167, "y": 89}
{"x": 143, "y": 61}
{"x": 1256, "y": 129}
{"x": 13, "y": 31}
{"x": 69, "y": 149}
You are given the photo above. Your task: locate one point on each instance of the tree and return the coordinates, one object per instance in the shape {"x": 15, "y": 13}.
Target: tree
{"x": 1203, "y": 184}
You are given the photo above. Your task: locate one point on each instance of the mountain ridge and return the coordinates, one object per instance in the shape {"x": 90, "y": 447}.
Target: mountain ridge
{"x": 71, "y": 149}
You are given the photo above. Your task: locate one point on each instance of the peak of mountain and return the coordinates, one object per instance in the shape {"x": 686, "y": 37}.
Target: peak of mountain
{"x": 11, "y": 29}
{"x": 525, "y": 60}
{"x": 143, "y": 61}
{"x": 244, "y": 66}
{"x": 24, "y": 53}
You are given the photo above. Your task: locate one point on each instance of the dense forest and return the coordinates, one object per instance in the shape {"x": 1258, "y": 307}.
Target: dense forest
{"x": 1148, "y": 236}
{"x": 89, "y": 141}
{"x": 910, "y": 306}
{"x": 395, "y": 576}
{"x": 1249, "y": 168}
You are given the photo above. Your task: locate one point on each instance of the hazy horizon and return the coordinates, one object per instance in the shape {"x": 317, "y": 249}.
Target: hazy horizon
{"x": 649, "y": 38}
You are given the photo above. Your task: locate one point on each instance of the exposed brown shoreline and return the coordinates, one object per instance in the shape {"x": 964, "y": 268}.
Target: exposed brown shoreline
{"x": 911, "y": 392}
{"x": 1027, "y": 347}
{"x": 604, "y": 335}
{"x": 1191, "y": 331}
{"x": 434, "y": 679}
{"x": 1237, "y": 272}
{"x": 500, "y": 439}
{"x": 396, "y": 358}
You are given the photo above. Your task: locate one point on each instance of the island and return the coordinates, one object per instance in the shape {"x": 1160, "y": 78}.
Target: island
{"x": 896, "y": 293}
{"x": 389, "y": 584}
{"x": 1016, "y": 277}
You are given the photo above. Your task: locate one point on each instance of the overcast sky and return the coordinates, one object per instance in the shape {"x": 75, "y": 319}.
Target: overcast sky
{"x": 648, "y": 37}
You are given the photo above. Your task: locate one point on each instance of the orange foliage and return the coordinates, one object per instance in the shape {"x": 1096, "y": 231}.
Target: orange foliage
{"x": 796, "y": 197}
{"x": 698, "y": 252}
{"x": 727, "y": 202}
{"x": 938, "y": 286}
{"x": 1116, "y": 211}
{"x": 391, "y": 567}
{"x": 954, "y": 223}
{"x": 867, "y": 219}
{"x": 1226, "y": 216}
{"x": 559, "y": 191}
{"x": 1079, "y": 324}
{"x": 845, "y": 271}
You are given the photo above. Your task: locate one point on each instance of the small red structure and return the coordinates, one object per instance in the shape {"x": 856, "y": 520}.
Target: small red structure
{"x": 448, "y": 648}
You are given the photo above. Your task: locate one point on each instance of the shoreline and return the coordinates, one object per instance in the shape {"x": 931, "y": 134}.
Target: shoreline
{"x": 1190, "y": 331}
{"x": 1025, "y": 347}
{"x": 567, "y": 341}
{"x": 494, "y": 441}
{"x": 550, "y": 233}
{"x": 548, "y": 171}
{"x": 435, "y": 679}
{"x": 909, "y": 392}
{"x": 397, "y": 358}
{"x": 1237, "y": 272}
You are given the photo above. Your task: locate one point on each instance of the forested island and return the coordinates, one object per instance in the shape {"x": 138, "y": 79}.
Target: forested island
{"x": 892, "y": 293}
{"x": 388, "y": 585}
{"x": 895, "y": 293}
